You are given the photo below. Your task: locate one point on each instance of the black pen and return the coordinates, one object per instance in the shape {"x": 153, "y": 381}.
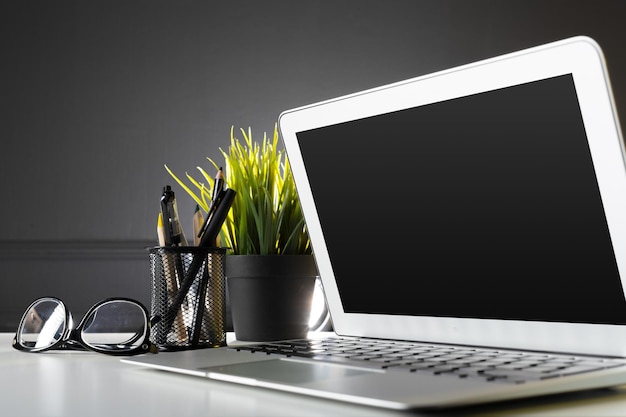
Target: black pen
{"x": 174, "y": 235}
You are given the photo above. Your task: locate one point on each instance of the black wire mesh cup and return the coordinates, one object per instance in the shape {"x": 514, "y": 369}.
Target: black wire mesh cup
{"x": 199, "y": 320}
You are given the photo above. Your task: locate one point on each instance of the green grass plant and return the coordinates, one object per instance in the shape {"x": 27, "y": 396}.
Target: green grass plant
{"x": 266, "y": 216}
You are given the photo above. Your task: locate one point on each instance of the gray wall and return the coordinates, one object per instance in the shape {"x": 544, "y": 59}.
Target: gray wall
{"x": 96, "y": 96}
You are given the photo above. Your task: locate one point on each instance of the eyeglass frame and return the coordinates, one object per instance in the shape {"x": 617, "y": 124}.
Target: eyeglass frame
{"x": 71, "y": 338}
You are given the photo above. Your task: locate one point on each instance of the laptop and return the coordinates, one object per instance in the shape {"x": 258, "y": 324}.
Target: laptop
{"x": 479, "y": 210}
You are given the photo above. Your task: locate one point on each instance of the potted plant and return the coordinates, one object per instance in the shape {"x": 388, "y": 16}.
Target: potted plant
{"x": 269, "y": 267}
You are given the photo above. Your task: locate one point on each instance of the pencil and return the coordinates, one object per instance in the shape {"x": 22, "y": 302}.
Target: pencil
{"x": 218, "y": 189}
{"x": 218, "y": 185}
{"x": 197, "y": 224}
{"x": 161, "y": 230}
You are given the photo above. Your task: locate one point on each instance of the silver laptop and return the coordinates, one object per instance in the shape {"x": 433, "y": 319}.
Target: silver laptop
{"x": 469, "y": 228}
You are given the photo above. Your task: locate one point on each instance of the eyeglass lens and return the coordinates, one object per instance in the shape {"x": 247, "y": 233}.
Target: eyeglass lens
{"x": 115, "y": 325}
{"x": 43, "y": 324}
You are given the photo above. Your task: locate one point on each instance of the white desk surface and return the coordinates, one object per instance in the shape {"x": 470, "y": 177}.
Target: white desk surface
{"x": 90, "y": 384}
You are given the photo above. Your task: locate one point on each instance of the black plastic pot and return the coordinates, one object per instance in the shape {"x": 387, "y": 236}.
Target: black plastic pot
{"x": 270, "y": 296}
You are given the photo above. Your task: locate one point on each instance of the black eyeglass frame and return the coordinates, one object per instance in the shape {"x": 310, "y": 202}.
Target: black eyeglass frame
{"x": 71, "y": 339}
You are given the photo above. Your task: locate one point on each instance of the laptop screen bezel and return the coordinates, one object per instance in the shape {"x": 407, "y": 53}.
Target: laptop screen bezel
{"x": 583, "y": 59}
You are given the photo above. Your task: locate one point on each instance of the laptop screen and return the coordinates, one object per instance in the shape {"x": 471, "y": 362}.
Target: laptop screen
{"x": 484, "y": 206}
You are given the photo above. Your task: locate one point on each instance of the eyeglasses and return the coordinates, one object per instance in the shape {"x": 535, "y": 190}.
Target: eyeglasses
{"x": 116, "y": 326}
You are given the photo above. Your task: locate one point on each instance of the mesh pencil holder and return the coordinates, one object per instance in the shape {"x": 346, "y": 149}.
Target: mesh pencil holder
{"x": 188, "y": 296}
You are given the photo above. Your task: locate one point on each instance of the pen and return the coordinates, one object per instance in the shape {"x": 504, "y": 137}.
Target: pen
{"x": 174, "y": 235}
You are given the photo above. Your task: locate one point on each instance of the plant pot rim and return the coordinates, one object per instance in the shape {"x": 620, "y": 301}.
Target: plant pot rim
{"x": 270, "y": 265}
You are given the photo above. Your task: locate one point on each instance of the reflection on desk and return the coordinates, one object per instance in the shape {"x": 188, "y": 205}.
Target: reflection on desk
{"x": 62, "y": 383}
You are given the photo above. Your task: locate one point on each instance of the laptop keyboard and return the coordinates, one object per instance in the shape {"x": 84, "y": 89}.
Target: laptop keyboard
{"x": 463, "y": 362}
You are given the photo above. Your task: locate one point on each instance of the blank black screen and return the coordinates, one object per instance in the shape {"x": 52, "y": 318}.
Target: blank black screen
{"x": 485, "y": 206}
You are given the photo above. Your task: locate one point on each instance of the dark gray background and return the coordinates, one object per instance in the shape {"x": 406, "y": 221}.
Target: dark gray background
{"x": 96, "y": 96}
